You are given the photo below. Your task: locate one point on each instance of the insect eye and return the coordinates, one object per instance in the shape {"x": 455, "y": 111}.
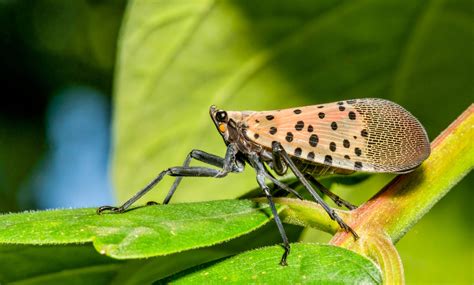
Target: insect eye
{"x": 221, "y": 116}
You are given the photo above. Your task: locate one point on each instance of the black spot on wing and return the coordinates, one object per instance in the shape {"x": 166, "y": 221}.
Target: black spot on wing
{"x": 346, "y": 143}
{"x": 299, "y": 125}
{"x": 313, "y": 140}
{"x": 328, "y": 159}
{"x": 352, "y": 115}
{"x": 358, "y": 151}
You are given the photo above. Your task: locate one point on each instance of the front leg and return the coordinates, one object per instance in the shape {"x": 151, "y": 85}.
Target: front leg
{"x": 228, "y": 164}
{"x": 180, "y": 171}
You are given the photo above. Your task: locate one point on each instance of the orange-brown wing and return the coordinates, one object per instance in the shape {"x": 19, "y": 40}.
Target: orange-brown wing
{"x": 373, "y": 135}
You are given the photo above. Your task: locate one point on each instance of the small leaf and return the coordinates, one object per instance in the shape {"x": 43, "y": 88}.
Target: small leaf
{"x": 143, "y": 232}
{"x": 307, "y": 263}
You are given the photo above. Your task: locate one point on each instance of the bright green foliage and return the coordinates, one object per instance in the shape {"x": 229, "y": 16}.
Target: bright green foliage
{"x": 143, "y": 232}
{"x": 308, "y": 264}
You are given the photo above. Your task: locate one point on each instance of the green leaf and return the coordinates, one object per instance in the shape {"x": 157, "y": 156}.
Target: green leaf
{"x": 143, "y": 232}
{"x": 55, "y": 264}
{"x": 146, "y": 271}
{"x": 58, "y": 264}
{"x": 307, "y": 263}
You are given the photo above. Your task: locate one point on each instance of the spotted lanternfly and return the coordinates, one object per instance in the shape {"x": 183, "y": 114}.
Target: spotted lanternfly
{"x": 371, "y": 135}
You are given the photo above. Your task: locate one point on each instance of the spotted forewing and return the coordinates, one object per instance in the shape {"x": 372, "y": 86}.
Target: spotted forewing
{"x": 372, "y": 135}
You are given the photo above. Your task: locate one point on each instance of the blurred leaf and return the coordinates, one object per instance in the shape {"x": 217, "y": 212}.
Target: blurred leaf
{"x": 66, "y": 264}
{"x": 21, "y": 146}
{"x": 176, "y": 59}
{"x": 449, "y": 224}
{"x": 83, "y": 31}
{"x": 143, "y": 232}
{"x": 307, "y": 264}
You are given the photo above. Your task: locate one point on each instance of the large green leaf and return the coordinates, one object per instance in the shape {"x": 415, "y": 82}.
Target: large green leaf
{"x": 307, "y": 264}
{"x": 60, "y": 264}
{"x": 54, "y": 264}
{"x": 143, "y": 232}
{"x": 145, "y": 271}
{"x": 177, "y": 58}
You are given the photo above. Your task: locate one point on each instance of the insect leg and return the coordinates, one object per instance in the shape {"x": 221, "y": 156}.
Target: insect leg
{"x": 279, "y": 184}
{"x": 173, "y": 171}
{"x": 282, "y": 185}
{"x": 261, "y": 182}
{"x": 338, "y": 200}
{"x": 227, "y": 164}
{"x": 277, "y": 147}
{"x": 278, "y": 166}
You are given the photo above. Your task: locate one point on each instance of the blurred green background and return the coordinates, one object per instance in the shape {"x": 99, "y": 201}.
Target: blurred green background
{"x": 63, "y": 60}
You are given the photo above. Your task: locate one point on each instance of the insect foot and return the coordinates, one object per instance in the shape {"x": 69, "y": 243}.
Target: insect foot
{"x": 346, "y": 228}
{"x": 343, "y": 203}
{"x": 285, "y": 255}
{"x": 333, "y": 215}
{"x": 102, "y": 209}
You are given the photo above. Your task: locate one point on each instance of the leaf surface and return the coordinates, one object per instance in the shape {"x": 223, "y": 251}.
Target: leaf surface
{"x": 56, "y": 264}
{"x": 307, "y": 264}
{"x": 143, "y": 232}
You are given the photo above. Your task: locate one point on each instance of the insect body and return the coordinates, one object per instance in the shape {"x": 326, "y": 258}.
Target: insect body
{"x": 371, "y": 135}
